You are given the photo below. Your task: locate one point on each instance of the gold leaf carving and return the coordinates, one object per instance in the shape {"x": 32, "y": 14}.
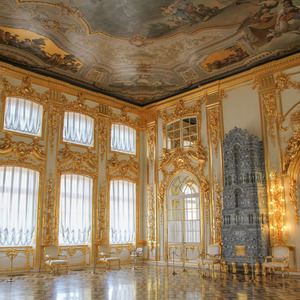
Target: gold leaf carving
{"x": 214, "y": 128}
{"x": 21, "y": 151}
{"x": 50, "y": 219}
{"x": 283, "y": 82}
{"x": 218, "y": 211}
{"x": 294, "y": 199}
{"x": 151, "y": 144}
{"x": 103, "y": 134}
{"x": 151, "y": 219}
{"x": 79, "y": 162}
{"x": 125, "y": 168}
{"x": 125, "y": 119}
{"x": 270, "y": 113}
{"x": 53, "y": 123}
{"x": 102, "y": 226}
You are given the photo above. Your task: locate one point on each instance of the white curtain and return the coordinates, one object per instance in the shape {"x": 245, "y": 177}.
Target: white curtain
{"x": 23, "y": 115}
{"x": 123, "y": 138}
{"x": 122, "y": 211}
{"x": 78, "y": 128}
{"x": 75, "y": 214}
{"x": 18, "y": 202}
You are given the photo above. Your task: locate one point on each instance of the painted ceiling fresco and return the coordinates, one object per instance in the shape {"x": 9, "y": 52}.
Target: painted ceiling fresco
{"x": 142, "y": 51}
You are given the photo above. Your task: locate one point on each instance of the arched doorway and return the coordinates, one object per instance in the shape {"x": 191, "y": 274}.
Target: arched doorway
{"x": 184, "y": 214}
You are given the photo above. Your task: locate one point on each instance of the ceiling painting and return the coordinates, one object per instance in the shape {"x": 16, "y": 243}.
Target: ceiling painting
{"x": 143, "y": 51}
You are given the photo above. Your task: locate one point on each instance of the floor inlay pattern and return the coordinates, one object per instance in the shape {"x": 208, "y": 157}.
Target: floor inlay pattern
{"x": 148, "y": 282}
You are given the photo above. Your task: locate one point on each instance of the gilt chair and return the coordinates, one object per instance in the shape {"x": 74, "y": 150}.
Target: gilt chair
{"x": 279, "y": 259}
{"x": 53, "y": 259}
{"x": 211, "y": 258}
{"x": 108, "y": 257}
{"x": 136, "y": 255}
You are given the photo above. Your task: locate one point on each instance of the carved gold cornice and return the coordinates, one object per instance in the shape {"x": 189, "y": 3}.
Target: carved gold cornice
{"x": 294, "y": 199}
{"x": 81, "y": 163}
{"x": 22, "y": 153}
{"x": 124, "y": 168}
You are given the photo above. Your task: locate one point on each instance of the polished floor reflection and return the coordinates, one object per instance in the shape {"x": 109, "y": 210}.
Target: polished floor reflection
{"x": 148, "y": 282}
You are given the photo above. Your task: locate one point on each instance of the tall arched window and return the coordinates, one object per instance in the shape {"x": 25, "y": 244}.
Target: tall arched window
{"x": 75, "y": 212}
{"x": 23, "y": 116}
{"x": 123, "y": 139}
{"x": 183, "y": 208}
{"x": 18, "y": 205}
{"x": 122, "y": 211}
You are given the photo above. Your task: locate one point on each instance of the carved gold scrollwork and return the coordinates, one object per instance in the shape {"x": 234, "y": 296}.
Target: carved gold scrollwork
{"x": 49, "y": 215}
{"x": 53, "y": 123}
{"x": 20, "y": 152}
{"x": 151, "y": 219}
{"x": 294, "y": 199}
{"x": 283, "y": 82}
{"x": 270, "y": 114}
{"x": 79, "y": 162}
{"x": 102, "y": 225}
{"x": 125, "y": 168}
{"x": 214, "y": 127}
{"x": 125, "y": 119}
{"x": 151, "y": 144}
{"x": 103, "y": 126}
{"x": 218, "y": 211}
{"x": 25, "y": 90}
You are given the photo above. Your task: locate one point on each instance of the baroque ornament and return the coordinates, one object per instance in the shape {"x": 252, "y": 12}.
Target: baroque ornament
{"x": 270, "y": 114}
{"x": 294, "y": 199}
{"x": 151, "y": 219}
{"x": 151, "y": 144}
{"x": 102, "y": 225}
{"x": 125, "y": 119}
{"x": 22, "y": 153}
{"x": 214, "y": 128}
{"x": 103, "y": 126}
{"x": 85, "y": 163}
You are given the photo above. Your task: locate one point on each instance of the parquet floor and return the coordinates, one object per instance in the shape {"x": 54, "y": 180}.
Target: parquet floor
{"x": 148, "y": 282}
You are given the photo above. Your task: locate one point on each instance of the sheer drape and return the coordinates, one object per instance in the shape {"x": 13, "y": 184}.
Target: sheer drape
{"x": 123, "y": 138}
{"x": 18, "y": 201}
{"x": 75, "y": 218}
{"x": 78, "y": 128}
{"x": 23, "y": 115}
{"x": 122, "y": 211}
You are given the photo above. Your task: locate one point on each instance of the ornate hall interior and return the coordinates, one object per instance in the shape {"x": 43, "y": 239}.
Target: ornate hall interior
{"x": 149, "y": 149}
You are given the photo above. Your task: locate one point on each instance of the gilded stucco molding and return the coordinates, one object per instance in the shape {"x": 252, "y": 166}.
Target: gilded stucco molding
{"x": 151, "y": 223}
{"x": 294, "y": 199}
{"x": 50, "y": 223}
{"x": 125, "y": 119}
{"x": 124, "y": 168}
{"x": 218, "y": 211}
{"x": 102, "y": 224}
{"x": 181, "y": 111}
{"x": 25, "y": 90}
{"x": 151, "y": 138}
{"x": 214, "y": 128}
{"x": 103, "y": 133}
{"x": 12, "y": 253}
{"x": 270, "y": 115}
{"x": 81, "y": 163}
{"x": 172, "y": 163}
{"x": 283, "y": 82}
{"x": 292, "y": 153}
{"x": 21, "y": 153}
{"x": 53, "y": 124}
